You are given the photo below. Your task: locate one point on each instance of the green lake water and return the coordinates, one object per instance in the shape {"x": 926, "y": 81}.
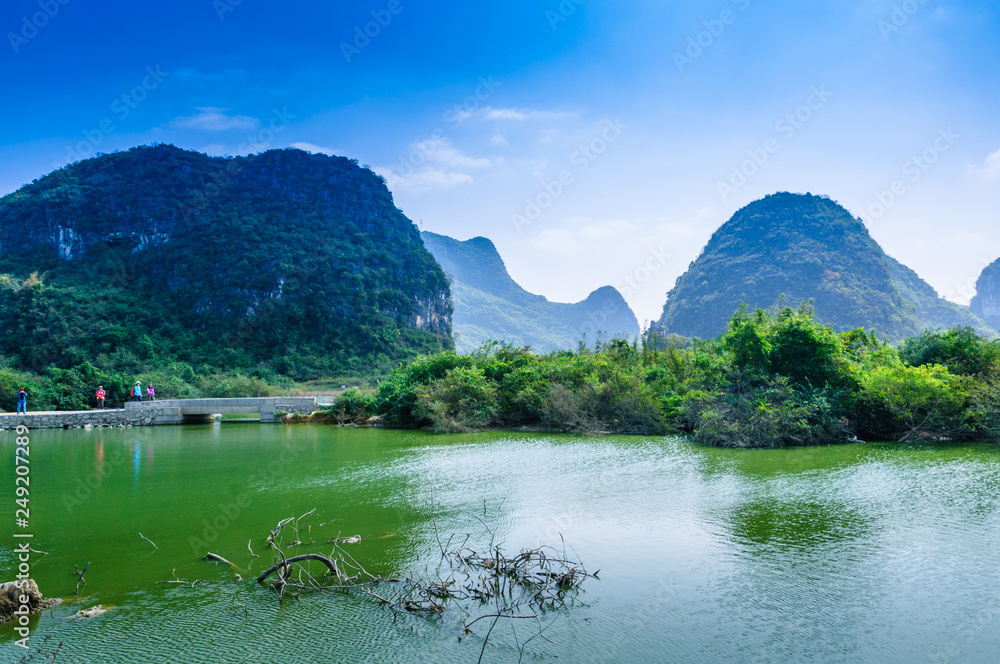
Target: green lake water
{"x": 861, "y": 553}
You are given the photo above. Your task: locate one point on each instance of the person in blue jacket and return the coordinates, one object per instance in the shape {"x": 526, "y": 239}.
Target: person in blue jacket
{"x": 22, "y": 402}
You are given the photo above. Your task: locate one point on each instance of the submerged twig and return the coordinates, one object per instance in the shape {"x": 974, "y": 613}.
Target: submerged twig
{"x": 219, "y": 559}
{"x": 294, "y": 559}
{"x": 80, "y": 574}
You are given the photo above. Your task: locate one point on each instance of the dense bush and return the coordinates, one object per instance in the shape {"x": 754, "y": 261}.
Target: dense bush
{"x": 773, "y": 379}
{"x": 963, "y": 351}
{"x": 770, "y": 415}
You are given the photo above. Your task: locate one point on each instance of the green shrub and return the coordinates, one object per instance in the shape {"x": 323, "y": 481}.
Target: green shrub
{"x": 963, "y": 351}
{"x": 463, "y": 400}
{"x": 909, "y": 401}
{"x": 352, "y": 407}
{"x": 775, "y": 415}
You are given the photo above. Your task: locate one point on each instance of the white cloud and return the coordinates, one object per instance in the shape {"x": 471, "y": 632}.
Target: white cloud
{"x": 618, "y": 228}
{"x": 210, "y": 118}
{"x": 315, "y": 149}
{"x": 425, "y": 180}
{"x": 433, "y": 164}
{"x": 555, "y": 241}
{"x": 520, "y": 115}
{"x": 990, "y": 169}
{"x": 442, "y": 152}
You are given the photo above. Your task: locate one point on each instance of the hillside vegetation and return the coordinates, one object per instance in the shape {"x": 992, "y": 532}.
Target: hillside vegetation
{"x": 490, "y": 305}
{"x": 805, "y": 247}
{"x": 281, "y": 266}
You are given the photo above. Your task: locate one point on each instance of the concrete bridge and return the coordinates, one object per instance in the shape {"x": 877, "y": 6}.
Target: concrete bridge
{"x": 190, "y": 411}
{"x": 168, "y": 411}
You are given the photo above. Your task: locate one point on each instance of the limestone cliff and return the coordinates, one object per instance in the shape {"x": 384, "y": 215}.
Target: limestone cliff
{"x": 986, "y": 303}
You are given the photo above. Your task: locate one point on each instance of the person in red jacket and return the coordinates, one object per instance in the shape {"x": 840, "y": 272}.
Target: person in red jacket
{"x": 100, "y": 394}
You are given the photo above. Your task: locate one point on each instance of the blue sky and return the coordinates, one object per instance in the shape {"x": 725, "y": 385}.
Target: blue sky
{"x": 594, "y": 142}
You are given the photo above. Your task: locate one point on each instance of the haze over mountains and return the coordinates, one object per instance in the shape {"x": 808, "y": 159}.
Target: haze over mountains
{"x": 489, "y": 304}
{"x": 301, "y": 265}
{"x": 804, "y": 247}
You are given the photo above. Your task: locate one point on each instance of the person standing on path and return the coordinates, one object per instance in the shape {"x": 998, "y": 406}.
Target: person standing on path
{"x": 100, "y": 396}
{"x": 151, "y": 393}
{"x": 137, "y": 391}
{"x": 22, "y": 402}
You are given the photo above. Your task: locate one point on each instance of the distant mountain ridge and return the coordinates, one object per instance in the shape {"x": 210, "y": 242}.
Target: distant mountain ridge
{"x": 489, "y": 304}
{"x": 804, "y": 247}
{"x": 986, "y": 303}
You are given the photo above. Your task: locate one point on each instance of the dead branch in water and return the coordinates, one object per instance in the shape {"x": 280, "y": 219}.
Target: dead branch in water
{"x": 294, "y": 523}
{"x": 484, "y": 583}
{"x": 150, "y": 541}
{"x": 296, "y": 559}
{"x": 80, "y": 574}
{"x": 219, "y": 559}
{"x": 181, "y": 581}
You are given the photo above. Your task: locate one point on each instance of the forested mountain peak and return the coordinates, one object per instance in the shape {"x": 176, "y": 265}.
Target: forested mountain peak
{"x": 804, "y": 247}
{"x": 296, "y": 260}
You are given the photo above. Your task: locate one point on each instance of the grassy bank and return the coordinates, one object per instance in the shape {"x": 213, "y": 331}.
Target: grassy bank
{"x": 773, "y": 379}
